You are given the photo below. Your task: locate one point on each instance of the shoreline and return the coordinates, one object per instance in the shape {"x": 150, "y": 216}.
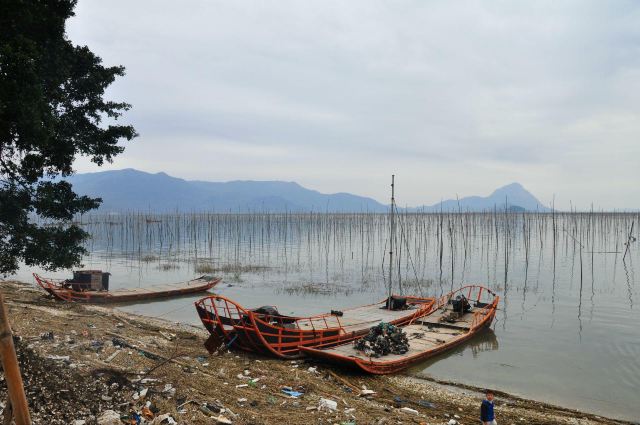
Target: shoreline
{"x": 126, "y": 355}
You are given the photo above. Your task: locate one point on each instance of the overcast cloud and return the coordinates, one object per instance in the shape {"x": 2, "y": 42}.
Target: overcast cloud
{"x": 453, "y": 97}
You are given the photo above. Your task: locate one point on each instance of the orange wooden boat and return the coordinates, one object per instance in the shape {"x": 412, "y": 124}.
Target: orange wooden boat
{"x": 444, "y": 328}
{"x": 266, "y": 331}
{"x": 68, "y": 290}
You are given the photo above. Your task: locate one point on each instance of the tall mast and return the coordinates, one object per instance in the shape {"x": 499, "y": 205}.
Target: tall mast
{"x": 393, "y": 201}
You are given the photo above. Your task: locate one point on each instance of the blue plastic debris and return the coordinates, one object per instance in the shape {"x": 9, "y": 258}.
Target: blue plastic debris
{"x": 292, "y": 393}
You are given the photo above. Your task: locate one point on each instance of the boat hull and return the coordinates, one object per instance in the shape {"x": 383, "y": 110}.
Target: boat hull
{"x": 57, "y": 290}
{"x": 283, "y": 336}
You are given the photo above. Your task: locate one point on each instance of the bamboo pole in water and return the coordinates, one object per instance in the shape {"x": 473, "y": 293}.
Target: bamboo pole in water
{"x": 12, "y": 370}
{"x": 392, "y": 231}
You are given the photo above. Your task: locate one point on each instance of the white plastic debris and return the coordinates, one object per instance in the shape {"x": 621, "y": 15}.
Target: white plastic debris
{"x": 109, "y": 417}
{"x": 58, "y": 358}
{"x": 113, "y": 355}
{"x": 409, "y": 410}
{"x": 168, "y": 390}
{"x": 222, "y": 420}
{"x": 327, "y": 404}
{"x": 165, "y": 419}
{"x": 367, "y": 393}
{"x": 452, "y": 422}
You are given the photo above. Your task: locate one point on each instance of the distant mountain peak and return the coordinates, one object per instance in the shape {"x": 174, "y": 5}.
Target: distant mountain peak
{"x": 512, "y": 196}
{"x": 510, "y": 186}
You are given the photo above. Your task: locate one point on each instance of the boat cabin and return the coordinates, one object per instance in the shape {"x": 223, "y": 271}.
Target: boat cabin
{"x": 88, "y": 280}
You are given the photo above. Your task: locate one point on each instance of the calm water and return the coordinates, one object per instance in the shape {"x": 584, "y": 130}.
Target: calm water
{"x": 568, "y": 329}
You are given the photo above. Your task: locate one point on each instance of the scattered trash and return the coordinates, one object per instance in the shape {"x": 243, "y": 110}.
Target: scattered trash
{"x": 147, "y": 413}
{"x": 452, "y": 422}
{"x": 109, "y": 417}
{"x": 383, "y": 339}
{"x": 291, "y": 392}
{"x": 141, "y": 394}
{"x": 222, "y": 420}
{"x": 327, "y": 404}
{"x": 398, "y": 401}
{"x": 367, "y": 393}
{"x": 119, "y": 325}
{"x": 210, "y": 409}
{"x": 313, "y": 369}
{"x": 165, "y": 419}
{"x": 118, "y": 342}
{"x": 168, "y": 336}
{"x": 409, "y": 410}
{"x": 96, "y": 344}
{"x": 47, "y": 336}
{"x": 134, "y": 418}
{"x": 169, "y": 390}
{"x": 58, "y": 358}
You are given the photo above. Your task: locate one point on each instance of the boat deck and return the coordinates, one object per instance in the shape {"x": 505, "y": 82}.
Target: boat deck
{"x": 358, "y": 318}
{"x": 425, "y": 334}
{"x": 153, "y": 289}
{"x": 437, "y": 318}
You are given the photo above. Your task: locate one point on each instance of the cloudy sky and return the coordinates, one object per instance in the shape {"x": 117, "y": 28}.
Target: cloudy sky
{"x": 453, "y": 97}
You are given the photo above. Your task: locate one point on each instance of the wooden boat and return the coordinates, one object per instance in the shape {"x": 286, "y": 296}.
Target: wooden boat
{"x": 265, "y": 331}
{"x": 444, "y": 328}
{"x": 68, "y": 290}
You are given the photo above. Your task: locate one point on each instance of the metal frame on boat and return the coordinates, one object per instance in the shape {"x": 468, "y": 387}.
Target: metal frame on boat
{"x": 62, "y": 290}
{"x": 435, "y": 333}
{"x": 282, "y": 336}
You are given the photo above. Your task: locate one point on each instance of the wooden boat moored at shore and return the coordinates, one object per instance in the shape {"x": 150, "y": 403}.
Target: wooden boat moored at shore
{"x": 265, "y": 331}
{"x": 441, "y": 330}
{"x": 68, "y": 290}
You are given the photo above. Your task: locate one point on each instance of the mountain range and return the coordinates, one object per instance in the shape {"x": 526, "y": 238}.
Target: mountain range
{"x": 130, "y": 190}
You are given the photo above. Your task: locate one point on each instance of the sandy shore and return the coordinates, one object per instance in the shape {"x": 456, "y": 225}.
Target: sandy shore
{"x": 80, "y": 361}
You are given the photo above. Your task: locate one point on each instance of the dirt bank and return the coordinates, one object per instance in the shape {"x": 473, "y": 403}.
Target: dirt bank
{"x": 79, "y": 361}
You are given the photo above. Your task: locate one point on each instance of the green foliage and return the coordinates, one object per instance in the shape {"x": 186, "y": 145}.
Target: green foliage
{"x": 51, "y": 111}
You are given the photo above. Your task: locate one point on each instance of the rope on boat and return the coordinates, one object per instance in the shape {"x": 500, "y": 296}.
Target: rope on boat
{"x": 188, "y": 304}
{"x": 232, "y": 340}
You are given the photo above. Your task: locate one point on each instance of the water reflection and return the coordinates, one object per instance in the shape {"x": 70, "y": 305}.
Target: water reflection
{"x": 628, "y": 280}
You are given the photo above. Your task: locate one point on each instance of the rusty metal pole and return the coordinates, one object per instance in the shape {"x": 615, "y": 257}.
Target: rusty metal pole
{"x": 12, "y": 369}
